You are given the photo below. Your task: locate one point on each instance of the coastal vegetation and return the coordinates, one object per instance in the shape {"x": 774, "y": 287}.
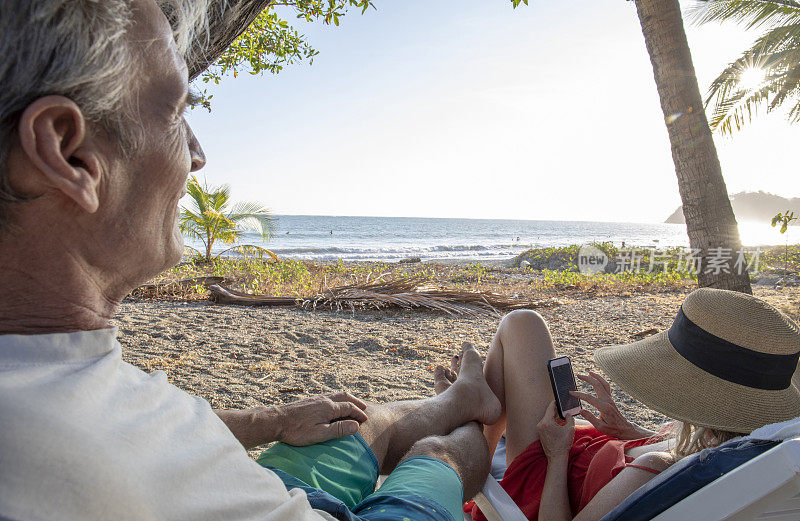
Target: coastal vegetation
{"x": 291, "y": 278}
{"x": 210, "y": 219}
{"x": 535, "y": 274}
{"x": 295, "y": 278}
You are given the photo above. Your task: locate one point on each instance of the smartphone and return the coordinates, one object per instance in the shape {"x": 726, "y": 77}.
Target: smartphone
{"x": 563, "y": 381}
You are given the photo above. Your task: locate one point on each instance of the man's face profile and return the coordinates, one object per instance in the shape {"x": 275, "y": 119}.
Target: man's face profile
{"x": 142, "y": 193}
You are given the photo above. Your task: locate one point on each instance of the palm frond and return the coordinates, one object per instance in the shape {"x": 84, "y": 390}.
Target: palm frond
{"x": 189, "y": 249}
{"x": 251, "y": 250}
{"x": 794, "y": 112}
{"x": 735, "y": 112}
{"x": 198, "y": 195}
{"x": 190, "y": 218}
{"x": 777, "y": 52}
{"x": 220, "y": 197}
{"x": 418, "y": 293}
{"x": 244, "y": 208}
{"x": 190, "y": 230}
{"x": 750, "y": 13}
{"x": 788, "y": 87}
{"x": 255, "y": 217}
{"x": 407, "y": 293}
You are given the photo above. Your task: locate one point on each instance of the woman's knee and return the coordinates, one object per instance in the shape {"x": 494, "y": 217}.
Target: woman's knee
{"x": 525, "y": 320}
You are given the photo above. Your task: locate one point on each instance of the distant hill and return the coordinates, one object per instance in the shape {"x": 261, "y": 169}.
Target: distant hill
{"x": 751, "y": 206}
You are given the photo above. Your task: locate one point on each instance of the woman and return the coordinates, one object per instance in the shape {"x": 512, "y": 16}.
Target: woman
{"x": 723, "y": 369}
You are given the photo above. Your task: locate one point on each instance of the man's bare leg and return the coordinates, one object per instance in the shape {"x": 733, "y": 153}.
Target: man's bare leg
{"x": 394, "y": 428}
{"x": 464, "y": 449}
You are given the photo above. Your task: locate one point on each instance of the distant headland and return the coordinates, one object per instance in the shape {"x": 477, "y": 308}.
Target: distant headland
{"x": 751, "y": 206}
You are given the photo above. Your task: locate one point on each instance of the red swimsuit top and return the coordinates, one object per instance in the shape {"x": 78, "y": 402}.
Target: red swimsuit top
{"x": 594, "y": 460}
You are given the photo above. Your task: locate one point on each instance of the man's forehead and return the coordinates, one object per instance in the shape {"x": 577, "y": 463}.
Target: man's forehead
{"x": 151, "y": 38}
{"x": 149, "y": 22}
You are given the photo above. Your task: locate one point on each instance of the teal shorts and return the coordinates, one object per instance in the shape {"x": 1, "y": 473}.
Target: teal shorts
{"x": 340, "y": 476}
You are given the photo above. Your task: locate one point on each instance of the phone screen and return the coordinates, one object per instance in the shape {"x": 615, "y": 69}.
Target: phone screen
{"x": 564, "y": 382}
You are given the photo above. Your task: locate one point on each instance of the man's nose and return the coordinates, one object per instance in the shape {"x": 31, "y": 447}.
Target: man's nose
{"x": 195, "y": 150}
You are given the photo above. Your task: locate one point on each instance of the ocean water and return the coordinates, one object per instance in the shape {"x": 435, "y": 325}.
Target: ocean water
{"x": 394, "y": 238}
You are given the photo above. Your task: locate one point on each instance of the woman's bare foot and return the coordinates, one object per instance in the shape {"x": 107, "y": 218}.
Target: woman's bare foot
{"x": 441, "y": 380}
{"x": 465, "y": 377}
{"x": 455, "y": 362}
{"x": 444, "y": 377}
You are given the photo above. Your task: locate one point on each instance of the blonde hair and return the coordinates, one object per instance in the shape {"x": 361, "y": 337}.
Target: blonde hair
{"x": 690, "y": 438}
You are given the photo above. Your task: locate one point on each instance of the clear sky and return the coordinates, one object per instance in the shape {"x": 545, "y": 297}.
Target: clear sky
{"x": 469, "y": 108}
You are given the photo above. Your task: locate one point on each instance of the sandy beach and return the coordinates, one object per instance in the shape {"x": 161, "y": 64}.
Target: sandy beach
{"x": 238, "y": 357}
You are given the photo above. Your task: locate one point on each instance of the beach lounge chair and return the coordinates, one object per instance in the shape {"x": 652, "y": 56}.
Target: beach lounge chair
{"x": 740, "y": 480}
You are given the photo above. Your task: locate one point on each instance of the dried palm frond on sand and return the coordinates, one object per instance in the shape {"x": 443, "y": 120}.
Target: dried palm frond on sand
{"x": 408, "y": 293}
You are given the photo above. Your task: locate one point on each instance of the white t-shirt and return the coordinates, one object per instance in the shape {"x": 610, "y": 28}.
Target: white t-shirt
{"x": 86, "y": 436}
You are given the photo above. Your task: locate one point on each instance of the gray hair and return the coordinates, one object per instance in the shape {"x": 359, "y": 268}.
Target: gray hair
{"x": 75, "y": 48}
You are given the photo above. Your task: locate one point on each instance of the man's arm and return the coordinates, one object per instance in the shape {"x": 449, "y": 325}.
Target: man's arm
{"x": 304, "y": 422}
{"x": 252, "y": 427}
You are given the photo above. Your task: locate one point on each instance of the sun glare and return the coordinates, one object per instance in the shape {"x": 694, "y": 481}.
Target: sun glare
{"x": 751, "y": 78}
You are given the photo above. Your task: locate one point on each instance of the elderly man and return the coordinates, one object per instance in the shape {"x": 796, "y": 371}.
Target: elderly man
{"x": 94, "y": 156}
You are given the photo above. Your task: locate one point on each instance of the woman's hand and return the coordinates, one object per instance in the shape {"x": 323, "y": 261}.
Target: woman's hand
{"x": 611, "y": 422}
{"x": 555, "y": 434}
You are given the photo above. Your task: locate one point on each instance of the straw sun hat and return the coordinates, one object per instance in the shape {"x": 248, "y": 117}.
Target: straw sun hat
{"x": 726, "y": 363}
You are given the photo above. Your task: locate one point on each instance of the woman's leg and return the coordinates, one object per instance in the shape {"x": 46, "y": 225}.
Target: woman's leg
{"x": 516, "y": 370}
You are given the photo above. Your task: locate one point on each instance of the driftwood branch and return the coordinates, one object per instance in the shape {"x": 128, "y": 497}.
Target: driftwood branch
{"x": 227, "y": 20}
{"x": 222, "y": 295}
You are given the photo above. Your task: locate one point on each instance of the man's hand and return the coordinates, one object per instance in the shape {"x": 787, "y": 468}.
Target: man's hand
{"x": 304, "y": 422}
{"x": 320, "y": 418}
{"x": 611, "y": 422}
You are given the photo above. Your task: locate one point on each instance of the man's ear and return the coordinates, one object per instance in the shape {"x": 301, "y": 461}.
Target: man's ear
{"x": 52, "y": 133}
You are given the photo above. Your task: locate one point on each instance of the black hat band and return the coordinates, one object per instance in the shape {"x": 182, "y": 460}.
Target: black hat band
{"x": 729, "y": 361}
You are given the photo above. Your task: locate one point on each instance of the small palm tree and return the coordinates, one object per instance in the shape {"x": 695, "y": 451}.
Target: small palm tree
{"x": 210, "y": 221}
{"x": 765, "y": 75}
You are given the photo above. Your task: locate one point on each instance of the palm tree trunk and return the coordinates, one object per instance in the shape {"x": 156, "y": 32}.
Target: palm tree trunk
{"x": 227, "y": 20}
{"x": 710, "y": 221}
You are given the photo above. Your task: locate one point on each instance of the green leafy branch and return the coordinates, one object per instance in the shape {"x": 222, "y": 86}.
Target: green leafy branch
{"x": 270, "y": 42}
{"x": 784, "y": 219}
